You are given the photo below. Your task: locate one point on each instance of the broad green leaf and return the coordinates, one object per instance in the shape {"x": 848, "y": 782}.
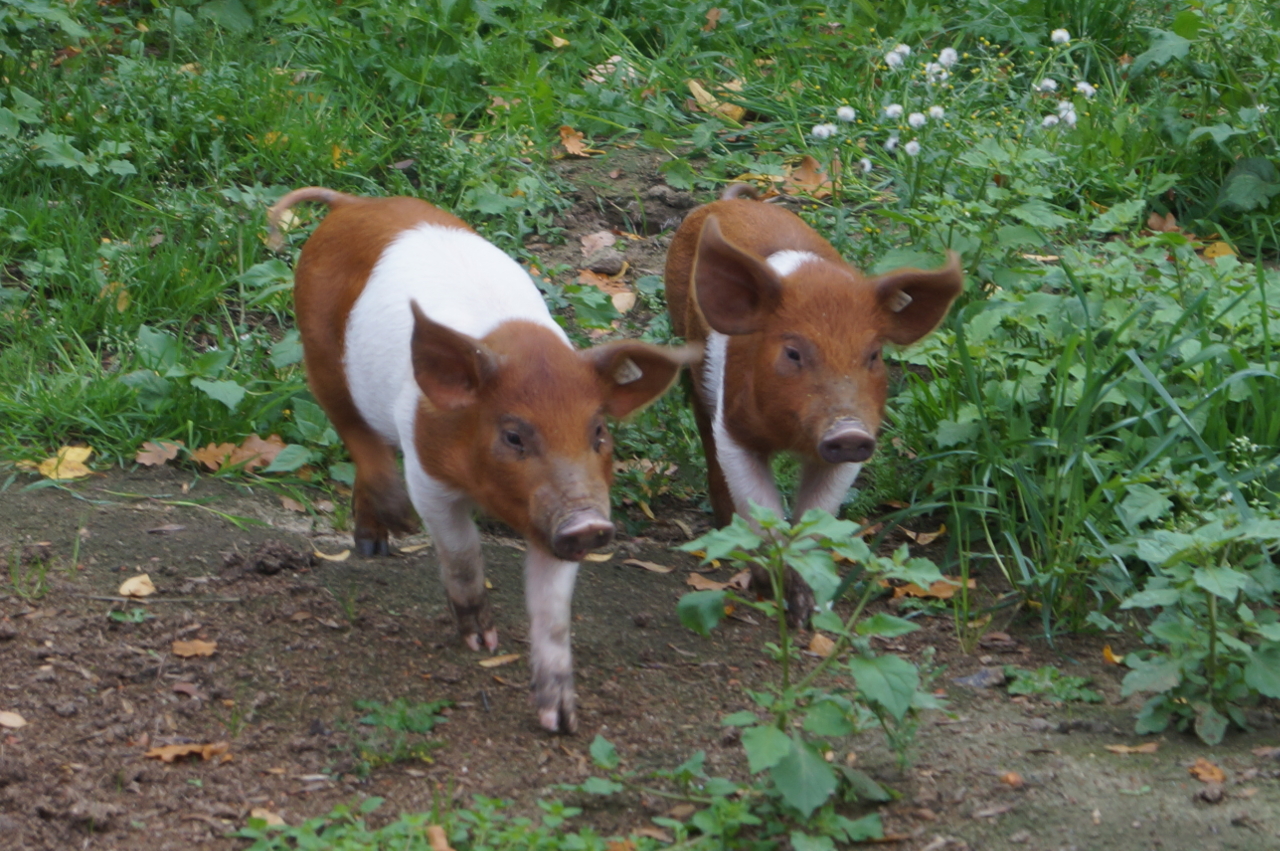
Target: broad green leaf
{"x": 1158, "y": 676}
{"x": 601, "y": 786}
{"x": 1155, "y": 715}
{"x": 1211, "y": 725}
{"x": 603, "y": 753}
{"x": 821, "y": 524}
{"x": 370, "y": 804}
{"x": 227, "y": 392}
{"x": 890, "y": 681}
{"x": 291, "y": 458}
{"x": 679, "y": 174}
{"x": 124, "y": 168}
{"x": 313, "y": 425}
{"x": 1220, "y": 581}
{"x": 885, "y": 626}
{"x": 920, "y": 571}
{"x": 152, "y": 389}
{"x": 1188, "y": 24}
{"x": 818, "y": 569}
{"x": 805, "y": 842}
{"x": 25, "y": 107}
{"x": 228, "y": 14}
{"x": 57, "y": 151}
{"x": 745, "y": 718}
{"x": 287, "y": 351}
{"x": 765, "y": 745}
{"x": 210, "y": 364}
{"x": 1251, "y": 184}
{"x": 1039, "y": 214}
{"x": 701, "y": 611}
{"x": 804, "y": 778}
{"x": 1262, "y": 672}
{"x": 1119, "y": 217}
{"x": 9, "y": 126}
{"x": 951, "y": 433}
{"x": 1160, "y": 547}
{"x": 1220, "y": 133}
{"x": 1141, "y": 504}
{"x": 157, "y": 350}
{"x": 827, "y": 718}
{"x": 343, "y": 472}
{"x": 1165, "y": 46}
{"x": 720, "y": 543}
{"x": 865, "y": 829}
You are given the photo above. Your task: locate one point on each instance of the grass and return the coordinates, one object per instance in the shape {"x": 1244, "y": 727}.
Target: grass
{"x": 1109, "y": 375}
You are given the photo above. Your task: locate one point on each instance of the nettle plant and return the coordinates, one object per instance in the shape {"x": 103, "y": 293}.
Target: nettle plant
{"x": 802, "y": 714}
{"x": 1215, "y": 637}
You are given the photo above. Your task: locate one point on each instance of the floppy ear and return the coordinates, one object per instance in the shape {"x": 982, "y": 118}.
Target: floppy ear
{"x": 915, "y": 301}
{"x": 635, "y": 374}
{"x": 735, "y": 289}
{"x": 449, "y": 367}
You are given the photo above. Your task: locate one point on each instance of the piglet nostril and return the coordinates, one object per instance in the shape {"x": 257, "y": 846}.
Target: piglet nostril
{"x": 579, "y": 534}
{"x": 845, "y": 443}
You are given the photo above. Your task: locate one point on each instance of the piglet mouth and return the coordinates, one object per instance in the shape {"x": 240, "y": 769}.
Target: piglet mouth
{"x": 579, "y": 533}
{"x": 848, "y": 441}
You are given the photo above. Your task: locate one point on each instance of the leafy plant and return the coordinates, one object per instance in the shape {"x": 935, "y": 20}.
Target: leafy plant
{"x": 1051, "y": 682}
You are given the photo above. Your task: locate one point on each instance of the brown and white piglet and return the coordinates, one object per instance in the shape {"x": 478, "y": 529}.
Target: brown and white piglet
{"x": 422, "y": 337}
{"x": 793, "y": 359}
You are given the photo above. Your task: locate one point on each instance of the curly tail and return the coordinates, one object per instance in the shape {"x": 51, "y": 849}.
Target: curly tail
{"x": 276, "y": 214}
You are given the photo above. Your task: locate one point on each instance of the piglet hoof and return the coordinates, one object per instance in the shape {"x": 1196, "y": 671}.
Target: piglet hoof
{"x": 556, "y": 704}
{"x": 373, "y": 546}
{"x": 796, "y": 593}
{"x": 475, "y": 624}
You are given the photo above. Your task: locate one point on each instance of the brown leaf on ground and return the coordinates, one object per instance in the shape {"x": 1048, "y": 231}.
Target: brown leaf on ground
{"x": 1012, "y": 779}
{"x": 924, "y": 538}
{"x": 290, "y": 504}
{"x": 702, "y": 583}
{"x": 654, "y": 833}
{"x": 1217, "y": 249}
{"x": 166, "y": 529}
{"x": 808, "y": 178}
{"x": 1145, "y": 747}
{"x": 190, "y": 690}
{"x": 821, "y": 645}
{"x": 68, "y": 463}
{"x": 137, "y": 586}
{"x": 593, "y": 242}
{"x": 713, "y": 18}
{"x": 1267, "y": 752}
{"x": 944, "y": 589}
{"x": 168, "y": 753}
{"x": 1162, "y": 224}
{"x": 156, "y": 452}
{"x": 195, "y": 647}
{"x": 256, "y": 452}
{"x": 1207, "y": 772}
{"x": 437, "y": 838}
{"x": 272, "y": 819}
{"x": 574, "y": 143}
{"x": 712, "y": 106}
{"x": 342, "y": 556}
{"x": 619, "y": 292}
{"x": 214, "y": 456}
{"x": 651, "y": 566}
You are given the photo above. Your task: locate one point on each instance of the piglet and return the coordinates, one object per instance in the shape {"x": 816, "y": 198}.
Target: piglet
{"x": 793, "y": 359}
{"x": 422, "y": 337}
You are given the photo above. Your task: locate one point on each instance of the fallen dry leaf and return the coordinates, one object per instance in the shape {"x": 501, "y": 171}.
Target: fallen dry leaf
{"x": 1162, "y": 224}
{"x": 1012, "y": 778}
{"x": 413, "y": 548}
{"x": 156, "y": 452}
{"x": 710, "y": 105}
{"x": 944, "y": 589}
{"x": 190, "y": 690}
{"x": 649, "y": 565}
{"x": 12, "y": 720}
{"x": 435, "y": 833}
{"x": 621, "y": 845}
{"x": 1218, "y": 249}
{"x": 597, "y": 557}
{"x": 574, "y": 144}
{"x": 195, "y": 647}
{"x": 68, "y": 463}
{"x": 497, "y": 661}
{"x": 272, "y": 819}
{"x": 214, "y": 455}
{"x": 702, "y": 583}
{"x": 713, "y": 18}
{"x": 1145, "y": 747}
{"x": 925, "y": 538}
{"x": 808, "y": 178}
{"x": 166, "y": 529}
{"x": 821, "y": 645}
{"x": 342, "y": 556}
{"x": 1110, "y": 657}
{"x": 256, "y": 452}
{"x": 1267, "y": 752}
{"x": 290, "y": 504}
{"x": 556, "y": 42}
{"x": 137, "y": 586}
{"x": 1207, "y": 772}
{"x": 593, "y": 242}
{"x": 168, "y": 753}
{"x": 654, "y": 833}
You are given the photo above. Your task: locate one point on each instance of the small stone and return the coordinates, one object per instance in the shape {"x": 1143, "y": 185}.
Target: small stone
{"x": 642, "y": 619}
{"x": 606, "y": 261}
{"x": 1212, "y": 793}
{"x": 65, "y": 710}
{"x": 983, "y": 678}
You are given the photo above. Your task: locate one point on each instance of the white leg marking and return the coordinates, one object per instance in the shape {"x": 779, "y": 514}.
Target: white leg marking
{"x": 548, "y": 589}
{"x": 824, "y": 486}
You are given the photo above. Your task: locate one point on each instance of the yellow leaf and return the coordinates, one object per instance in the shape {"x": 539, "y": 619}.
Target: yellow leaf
{"x": 558, "y": 42}
{"x": 272, "y": 819}
{"x": 1110, "y": 657}
{"x": 497, "y": 661}
{"x": 67, "y": 464}
{"x": 1207, "y": 772}
{"x": 195, "y": 647}
{"x": 651, "y": 566}
{"x": 413, "y": 548}
{"x": 598, "y": 556}
{"x": 702, "y": 583}
{"x": 137, "y": 586}
{"x": 1218, "y": 249}
{"x": 1146, "y": 747}
{"x": 342, "y": 556}
{"x": 821, "y": 645}
{"x": 644, "y": 506}
{"x": 925, "y": 538}
{"x": 708, "y": 103}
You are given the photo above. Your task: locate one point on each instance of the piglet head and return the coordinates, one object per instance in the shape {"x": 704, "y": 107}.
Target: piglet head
{"x": 806, "y": 373}
{"x": 518, "y": 420}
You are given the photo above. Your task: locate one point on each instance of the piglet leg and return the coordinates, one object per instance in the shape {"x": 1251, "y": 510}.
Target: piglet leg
{"x": 447, "y": 514}
{"x": 548, "y": 585}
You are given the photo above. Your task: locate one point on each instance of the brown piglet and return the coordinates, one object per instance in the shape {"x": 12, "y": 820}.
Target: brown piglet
{"x": 422, "y": 337}
{"x": 793, "y": 354}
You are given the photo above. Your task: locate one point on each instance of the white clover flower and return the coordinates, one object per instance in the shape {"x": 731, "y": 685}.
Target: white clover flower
{"x": 1069, "y": 118}
{"x": 912, "y": 148}
{"x": 823, "y": 131}
{"x": 948, "y": 57}
{"x": 891, "y": 143}
{"x": 893, "y": 60}
{"x": 1085, "y": 89}
{"x": 1049, "y": 121}
{"x": 894, "y": 110}
{"x": 1048, "y": 84}
{"x": 916, "y": 120}
{"x": 937, "y": 113}
{"x": 903, "y": 50}
{"x": 846, "y": 113}
{"x": 935, "y": 73}
{"x": 1060, "y": 36}
{"x": 866, "y": 165}
{"x": 1065, "y": 106}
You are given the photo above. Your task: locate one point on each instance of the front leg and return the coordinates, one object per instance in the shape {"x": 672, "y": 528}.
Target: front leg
{"x": 824, "y": 486}
{"x": 748, "y": 474}
{"x": 447, "y": 514}
{"x": 548, "y": 588}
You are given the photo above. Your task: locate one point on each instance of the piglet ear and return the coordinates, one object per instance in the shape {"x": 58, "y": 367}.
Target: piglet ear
{"x": 736, "y": 289}
{"x": 635, "y": 374}
{"x": 449, "y": 367}
{"x": 915, "y": 302}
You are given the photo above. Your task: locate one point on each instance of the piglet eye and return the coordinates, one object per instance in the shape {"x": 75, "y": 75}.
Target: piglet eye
{"x": 793, "y": 354}
{"x": 600, "y": 437}
{"x": 513, "y": 439}
{"x": 875, "y": 357}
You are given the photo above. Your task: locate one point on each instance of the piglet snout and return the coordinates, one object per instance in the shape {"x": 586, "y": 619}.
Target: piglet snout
{"x": 847, "y": 441}
{"x": 580, "y": 533}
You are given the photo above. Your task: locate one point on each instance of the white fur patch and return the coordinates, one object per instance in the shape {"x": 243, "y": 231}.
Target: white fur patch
{"x": 460, "y": 280}
{"x": 786, "y": 262}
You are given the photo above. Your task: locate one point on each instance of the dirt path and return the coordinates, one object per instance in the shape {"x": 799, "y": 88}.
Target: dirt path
{"x": 296, "y": 648}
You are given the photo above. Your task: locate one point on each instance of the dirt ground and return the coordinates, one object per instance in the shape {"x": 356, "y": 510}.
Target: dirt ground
{"x": 300, "y": 639}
